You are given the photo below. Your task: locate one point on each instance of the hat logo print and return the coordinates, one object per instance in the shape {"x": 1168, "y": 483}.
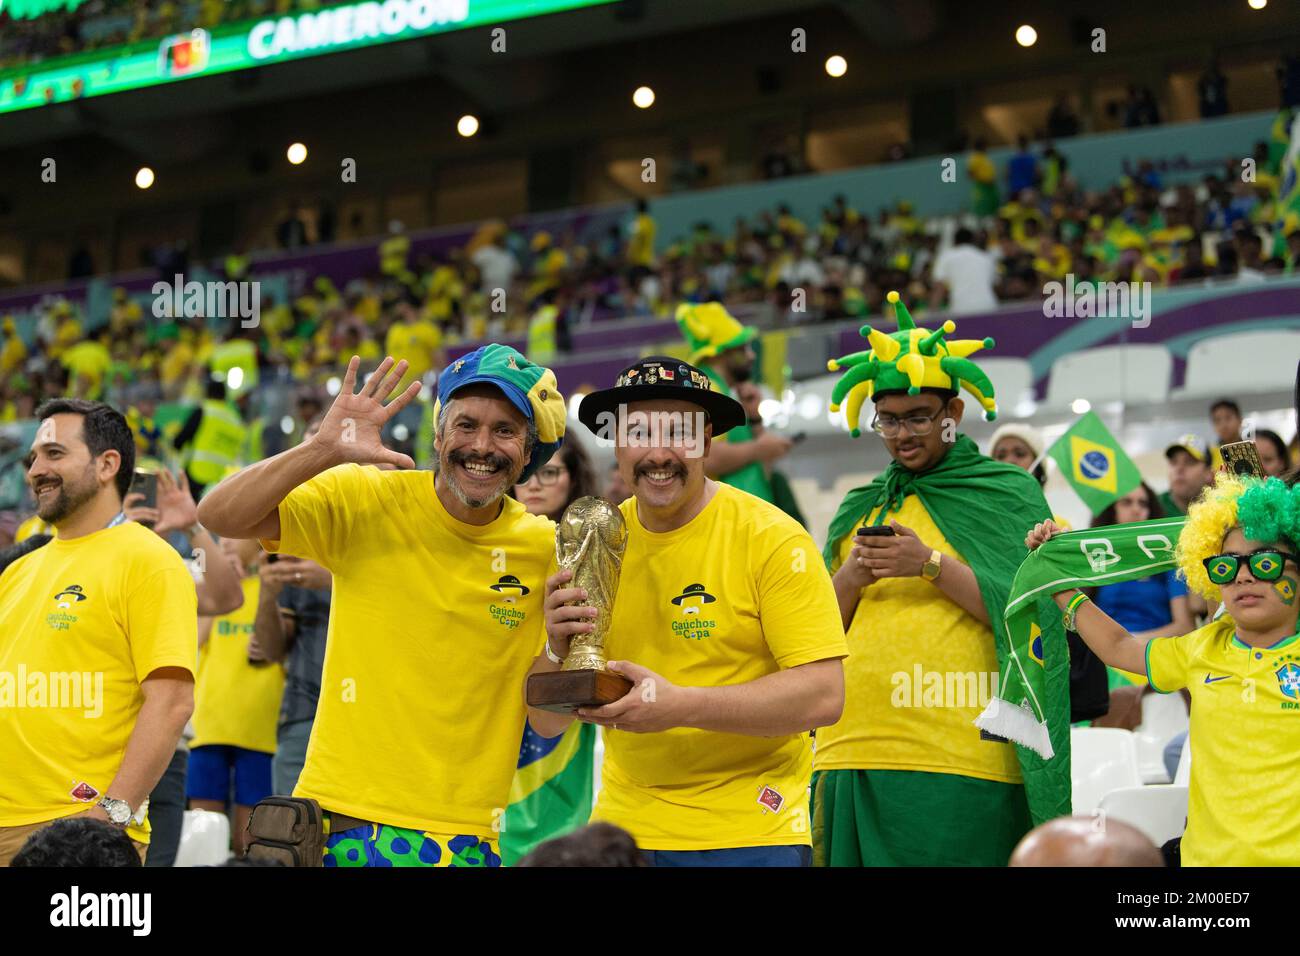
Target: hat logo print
{"x": 69, "y": 594}
{"x": 507, "y": 586}
{"x": 693, "y": 598}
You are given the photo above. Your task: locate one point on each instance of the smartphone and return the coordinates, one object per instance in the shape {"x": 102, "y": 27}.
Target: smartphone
{"x": 877, "y": 531}
{"x": 797, "y": 437}
{"x": 145, "y": 482}
{"x": 1242, "y": 458}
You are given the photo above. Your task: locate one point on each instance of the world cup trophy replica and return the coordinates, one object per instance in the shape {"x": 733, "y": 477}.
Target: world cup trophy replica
{"x": 589, "y": 541}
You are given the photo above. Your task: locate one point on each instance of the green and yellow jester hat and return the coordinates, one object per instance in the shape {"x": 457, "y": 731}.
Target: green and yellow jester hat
{"x": 909, "y": 360}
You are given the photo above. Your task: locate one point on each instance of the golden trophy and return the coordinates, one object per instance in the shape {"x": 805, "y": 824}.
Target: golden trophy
{"x": 589, "y": 541}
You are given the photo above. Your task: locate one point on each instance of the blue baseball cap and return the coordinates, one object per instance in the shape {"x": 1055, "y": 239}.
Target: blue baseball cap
{"x": 530, "y": 388}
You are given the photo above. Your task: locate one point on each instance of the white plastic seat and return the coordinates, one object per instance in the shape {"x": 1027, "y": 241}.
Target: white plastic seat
{"x": 1137, "y": 374}
{"x": 1158, "y": 811}
{"x": 1164, "y": 716}
{"x": 1255, "y": 361}
{"x": 1013, "y": 383}
{"x": 1183, "y": 775}
{"x": 205, "y": 839}
{"x": 1102, "y": 759}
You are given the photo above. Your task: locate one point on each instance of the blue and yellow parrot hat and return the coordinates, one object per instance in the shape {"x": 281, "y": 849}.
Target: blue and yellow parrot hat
{"x": 530, "y": 388}
{"x": 909, "y": 360}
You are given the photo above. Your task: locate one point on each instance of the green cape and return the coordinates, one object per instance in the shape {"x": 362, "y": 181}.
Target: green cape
{"x": 984, "y": 509}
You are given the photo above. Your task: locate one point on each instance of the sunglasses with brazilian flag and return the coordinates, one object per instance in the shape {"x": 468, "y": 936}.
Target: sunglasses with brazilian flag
{"x": 1266, "y": 564}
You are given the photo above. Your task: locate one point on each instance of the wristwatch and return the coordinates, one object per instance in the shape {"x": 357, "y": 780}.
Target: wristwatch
{"x": 930, "y": 570}
{"x": 119, "y": 811}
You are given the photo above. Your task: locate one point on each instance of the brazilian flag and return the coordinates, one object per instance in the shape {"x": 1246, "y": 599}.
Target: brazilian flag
{"x": 552, "y": 790}
{"x": 1094, "y": 464}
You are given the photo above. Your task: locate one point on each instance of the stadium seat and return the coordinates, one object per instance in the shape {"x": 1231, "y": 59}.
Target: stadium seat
{"x": 1164, "y": 716}
{"x": 1158, "y": 811}
{"x": 1114, "y": 373}
{"x": 1183, "y": 777}
{"x": 1102, "y": 759}
{"x": 1013, "y": 383}
{"x": 205, "y": 839}
{"x": 1258, "y": 361}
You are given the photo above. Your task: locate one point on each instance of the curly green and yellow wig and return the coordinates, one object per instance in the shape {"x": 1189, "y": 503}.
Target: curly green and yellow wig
{"x": 1265, "y": 510}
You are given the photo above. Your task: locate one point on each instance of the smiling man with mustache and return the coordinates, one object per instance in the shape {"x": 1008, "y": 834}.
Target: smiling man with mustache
{"x": 415, "y": 740}
{"x": 725, "y": 622}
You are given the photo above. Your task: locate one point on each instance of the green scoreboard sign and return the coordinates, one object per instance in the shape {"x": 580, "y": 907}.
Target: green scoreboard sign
{"x": 198, "y": 52}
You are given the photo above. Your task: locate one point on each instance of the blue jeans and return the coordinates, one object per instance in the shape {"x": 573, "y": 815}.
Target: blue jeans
{"x": 733, "y": 856}
{"x": 167, "y": 812}
{"x": 290, "y": 755}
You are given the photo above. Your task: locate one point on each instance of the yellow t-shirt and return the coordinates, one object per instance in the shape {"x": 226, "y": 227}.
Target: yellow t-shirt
{"x": 920, "y": 671}
{"x": 1245, "y": 733}
{"x": 641, "y": 244}
{"x": 433, "y": 625}
{"x": 89, "y": 360}
{"x": 236, "y": 703}
{"x": 109, "y": 608}
{"x": 33, "y": 525}
{"x": 735, "y": 595}
{"x": 418, "y": 343}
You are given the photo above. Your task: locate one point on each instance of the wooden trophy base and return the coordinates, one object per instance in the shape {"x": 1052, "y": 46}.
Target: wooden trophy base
{"x": 565, "y": 691}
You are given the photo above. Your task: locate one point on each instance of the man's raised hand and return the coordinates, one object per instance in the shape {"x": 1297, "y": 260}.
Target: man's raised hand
{"x": 351, "y": 428}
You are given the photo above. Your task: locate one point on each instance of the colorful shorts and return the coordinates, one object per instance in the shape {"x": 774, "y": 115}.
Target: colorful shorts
{"x": 377, "y": 845}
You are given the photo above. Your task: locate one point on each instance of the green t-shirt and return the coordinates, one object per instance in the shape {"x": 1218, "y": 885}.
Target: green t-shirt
{"x": 1171, "y": 508}
{"x": 751, "y": 477}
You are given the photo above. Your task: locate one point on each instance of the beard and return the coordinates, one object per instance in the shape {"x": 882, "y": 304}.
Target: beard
{"x": 69, "y": 498}
{"x": 509, "y": 477}
{"x": 741, "y": 373}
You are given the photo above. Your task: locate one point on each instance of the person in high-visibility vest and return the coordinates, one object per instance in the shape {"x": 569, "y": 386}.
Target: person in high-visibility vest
{"x": 211, "y": 440}
{"x": 542, "y": 329}
{"x": 234, "y": 362}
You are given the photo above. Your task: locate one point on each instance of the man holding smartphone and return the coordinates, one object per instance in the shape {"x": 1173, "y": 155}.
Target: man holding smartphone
{"x": 922, "y": 560}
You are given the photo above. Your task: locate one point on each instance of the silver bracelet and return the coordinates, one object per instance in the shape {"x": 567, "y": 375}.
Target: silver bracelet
{"x": 551, "y": 654}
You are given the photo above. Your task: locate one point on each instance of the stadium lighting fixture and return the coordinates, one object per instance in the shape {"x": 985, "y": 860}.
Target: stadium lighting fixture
{"x": 1026, "y": 35}
{"x": 836, "y": 65}
{"x": 144, "y": 177}
{"x": 297, "y": 153}
{"x": 643, "y": 97}
{"x": 467, "y": 125}
{"x": 1257, "y": 4}
{"x": 1080, "y": 406}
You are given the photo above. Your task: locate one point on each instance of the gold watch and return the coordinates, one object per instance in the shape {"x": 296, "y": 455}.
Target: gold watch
{"x": 930, "y": 570}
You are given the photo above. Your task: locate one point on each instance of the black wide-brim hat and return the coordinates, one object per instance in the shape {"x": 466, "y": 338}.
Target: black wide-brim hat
{"x": 660, "y": 377}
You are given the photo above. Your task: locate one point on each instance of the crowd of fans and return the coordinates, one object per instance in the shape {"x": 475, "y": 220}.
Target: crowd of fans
{"x": 1032, "y": 225}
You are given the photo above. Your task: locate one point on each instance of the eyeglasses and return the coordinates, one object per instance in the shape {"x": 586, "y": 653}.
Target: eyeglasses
{"x": 547, "y": 475}
{"x": 918, "y": 425}
{"x": 1265, "y": 565}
